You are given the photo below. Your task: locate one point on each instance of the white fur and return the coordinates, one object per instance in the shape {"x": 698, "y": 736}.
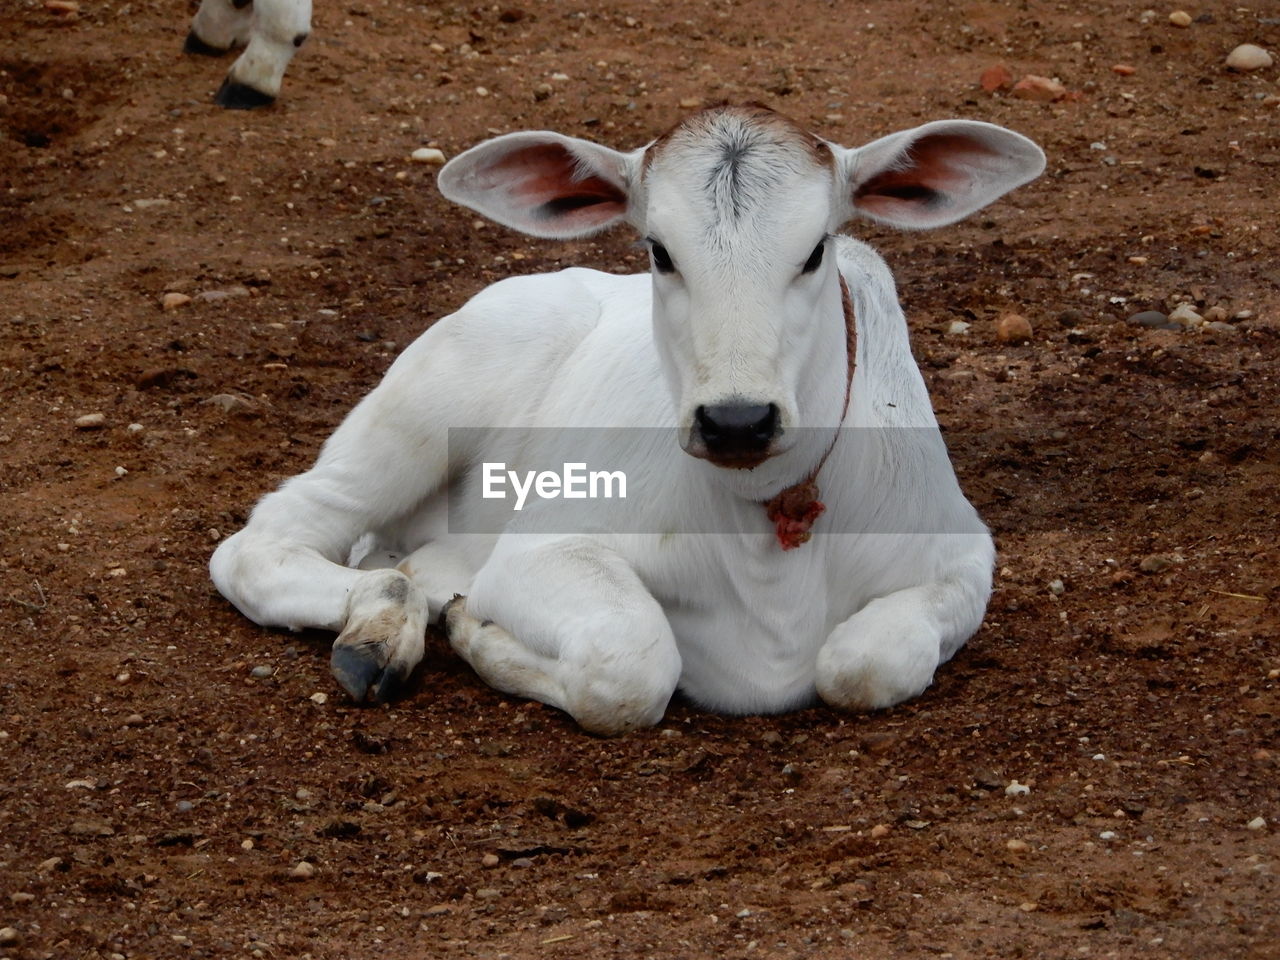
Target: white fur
{"x": 607, "y": 625}
{"x": 271, "y": 31}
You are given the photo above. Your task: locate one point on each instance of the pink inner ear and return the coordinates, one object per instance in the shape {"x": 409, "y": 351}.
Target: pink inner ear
{"x": 934, "y": 167}
{"x": 542, "y": 178}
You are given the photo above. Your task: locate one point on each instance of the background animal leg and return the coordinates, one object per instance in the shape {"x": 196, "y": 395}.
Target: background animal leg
{"x": 218, "y": 26}
{"x": 278, "y": 29}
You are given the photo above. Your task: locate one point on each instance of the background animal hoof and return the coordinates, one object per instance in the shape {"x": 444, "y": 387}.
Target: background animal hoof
{"x": 241, "y": 96}
{"x": 195, "y": 45}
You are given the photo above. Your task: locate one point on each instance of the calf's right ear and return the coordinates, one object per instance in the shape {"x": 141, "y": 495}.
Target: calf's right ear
{"x": 543, "y": 183}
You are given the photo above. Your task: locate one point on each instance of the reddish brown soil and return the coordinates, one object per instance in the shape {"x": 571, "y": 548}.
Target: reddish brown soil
{"x": 154, "y": 796}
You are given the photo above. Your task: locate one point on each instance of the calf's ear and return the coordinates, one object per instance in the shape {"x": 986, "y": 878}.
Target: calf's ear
{"x": 935, "y": 174}
{"x": 543, "y": 183}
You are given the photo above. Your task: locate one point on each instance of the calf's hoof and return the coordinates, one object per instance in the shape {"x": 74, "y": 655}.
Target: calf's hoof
{"x": 240, "y": 96}
{"x": 358, "y": 669}
{"x": 195, "y": 45}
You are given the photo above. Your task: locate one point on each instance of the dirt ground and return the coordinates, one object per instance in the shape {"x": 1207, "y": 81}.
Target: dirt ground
{"x": 156, "y": 791}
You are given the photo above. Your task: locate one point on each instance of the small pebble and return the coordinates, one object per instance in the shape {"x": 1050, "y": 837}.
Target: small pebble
{"x": 1013, "y": 328}
{"x": 878, "y": 831}
{"x": 881, "y": 741}
{"x": 134, "y": 720}
{"x": 1017, "y": 846}
{"x": 1248, "y": 56}
{"x": 690, "y": 103}
{"x": 184, "y": 806}
{"x": 319, "y": 699}
{"x": 428, "y": 155}
{"x": 957, "y": 327}
{"x": 22, "y": 897}
{"x": 302, "y": 870}
{"x": 1108, "y": 835}
{"x": 1016, "y": 789}
{"x": 488, "y": 893}
{"x": 996, "y": 78}
{"x": 91, "y": 421}
{"x": 1041, "y": 89}
{"x": 1153, "y": 319}
{"x": 260, "y": 672}
{"x": 135, "y": 428}
{"x": 1124, "y": 69}
{"x": 9, "y": 937}
{"x": 1180, "y": 18}
{"x": 1257, "y": 823}
{"x": 1057, "y": 587}
{"x": 1185, "y": 315}
{"x": 172, "y": 301}
{"x": 1155, "y": 563}
{"x": 228, "y": 402}
{"x": 246, "y": 844}
{"x": 523, "y": 863}
{"x": 490, "y": 860}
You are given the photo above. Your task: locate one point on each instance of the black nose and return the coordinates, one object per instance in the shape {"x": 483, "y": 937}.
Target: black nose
{"x": 737, "y": 432}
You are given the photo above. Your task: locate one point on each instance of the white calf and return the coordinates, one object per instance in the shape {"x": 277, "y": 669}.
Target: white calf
{"x": 270, "y": 31}
{"x": 741, "y": 344}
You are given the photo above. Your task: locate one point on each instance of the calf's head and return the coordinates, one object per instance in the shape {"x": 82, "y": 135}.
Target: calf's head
{"x": 737, "y": 206}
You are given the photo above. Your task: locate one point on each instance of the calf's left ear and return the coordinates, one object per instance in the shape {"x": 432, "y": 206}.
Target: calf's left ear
{"x": 935, "y": 174}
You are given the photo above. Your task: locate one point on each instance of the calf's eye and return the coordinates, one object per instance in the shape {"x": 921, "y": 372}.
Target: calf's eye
{"x": 661, "y": 259}
{"x": 815, "y": 258}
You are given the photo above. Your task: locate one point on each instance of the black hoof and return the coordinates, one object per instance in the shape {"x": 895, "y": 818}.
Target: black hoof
{"x": 241, "y": 96}
{"x": 361, "y": 676}
{"x": 195, "y": 45}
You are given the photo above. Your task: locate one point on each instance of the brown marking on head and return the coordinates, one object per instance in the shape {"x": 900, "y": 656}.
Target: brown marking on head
{"x": 754, "y": 114}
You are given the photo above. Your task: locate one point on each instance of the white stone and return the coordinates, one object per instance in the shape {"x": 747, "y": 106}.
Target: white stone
{"x": 428, "y": 155}
{"x": 1248, "y": 56}
{"x": 1185, "y": 315}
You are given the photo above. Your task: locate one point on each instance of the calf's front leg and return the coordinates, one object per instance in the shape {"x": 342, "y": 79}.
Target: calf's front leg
{"x": 888, "y": 651}
{"x": 568, "y": 622}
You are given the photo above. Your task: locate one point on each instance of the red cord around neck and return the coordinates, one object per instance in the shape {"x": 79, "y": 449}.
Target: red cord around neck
{"x": 794, "y": 509}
